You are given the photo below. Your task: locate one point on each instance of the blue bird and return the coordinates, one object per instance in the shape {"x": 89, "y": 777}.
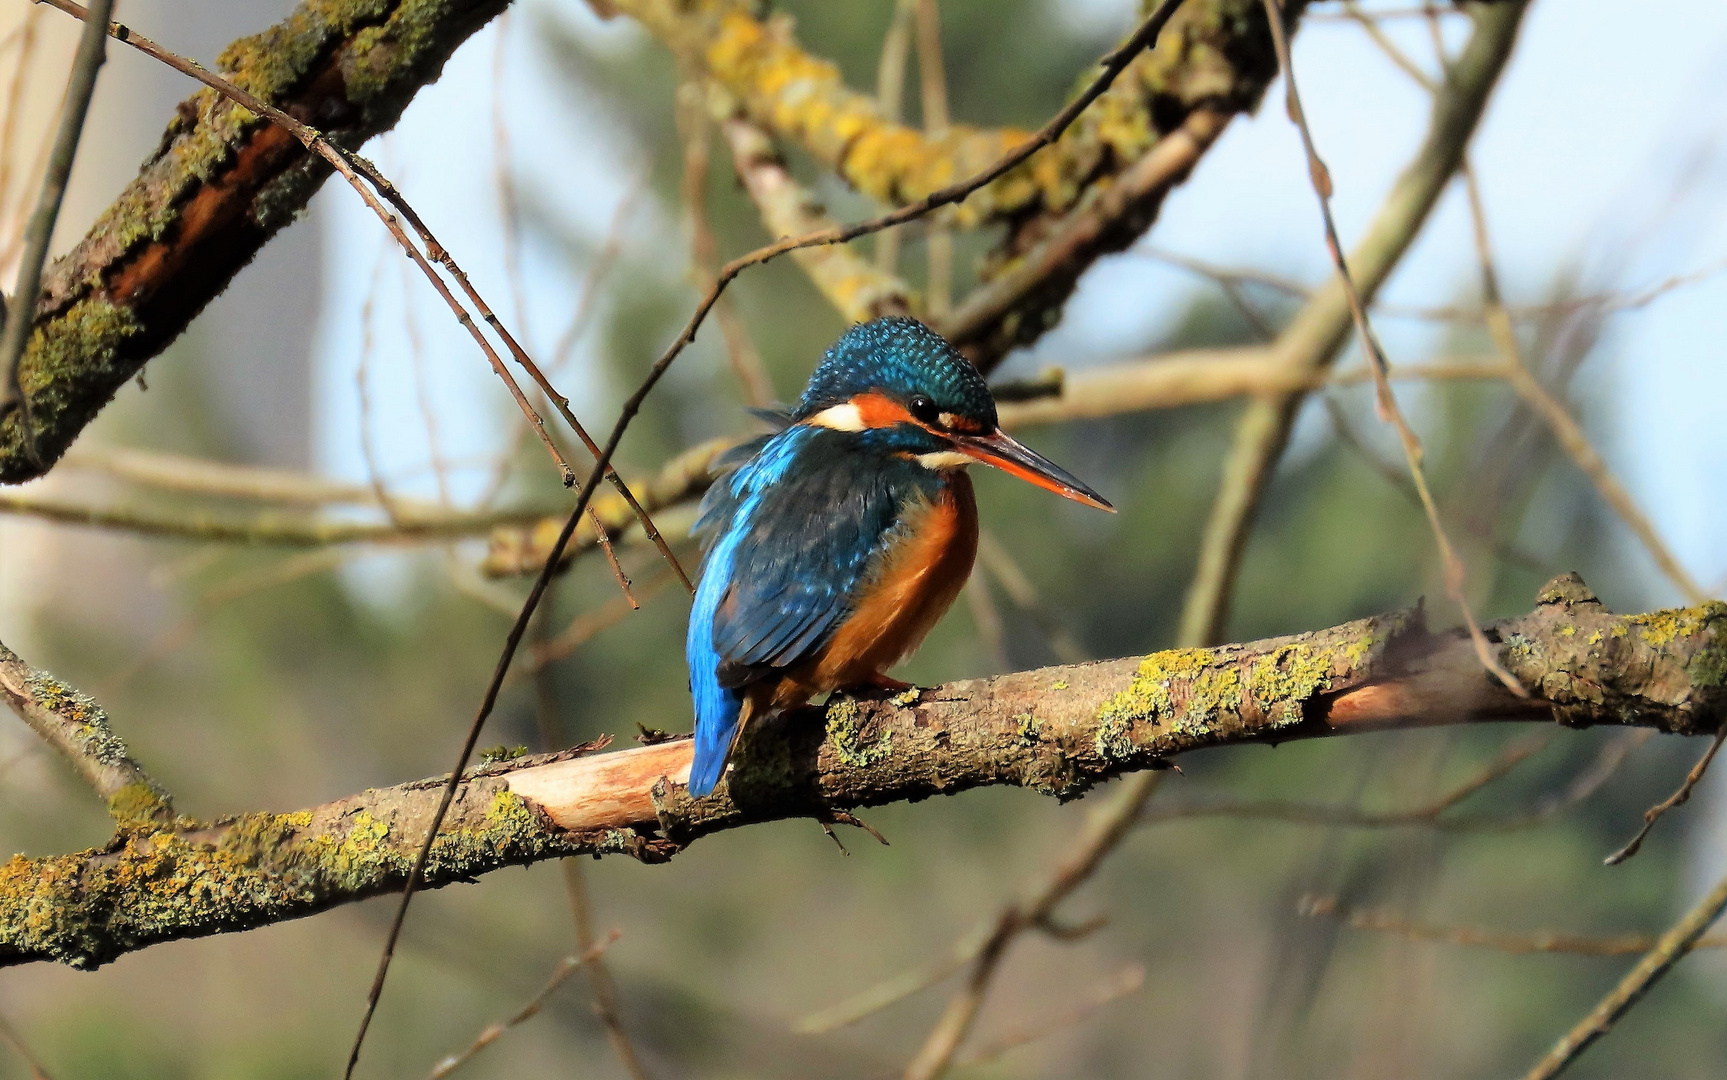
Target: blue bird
{"x": 838, "y": 541}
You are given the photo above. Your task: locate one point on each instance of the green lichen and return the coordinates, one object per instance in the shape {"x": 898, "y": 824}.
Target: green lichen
{"x": 1708, "y": 668}
{"x": 1028, "y": 730}
{"x": 1059, "y": 684}
{"x": 846, "y": 735}
{"x": 907, "y": 697}
{"x": 1282, "y": 680}
{"x": 501, "y": 752}
{"x": 69, "y": 369}
{"x": 1206, "y": 684}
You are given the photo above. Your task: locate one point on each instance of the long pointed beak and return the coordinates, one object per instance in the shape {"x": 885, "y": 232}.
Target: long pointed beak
{"x": 1013, "y": 457}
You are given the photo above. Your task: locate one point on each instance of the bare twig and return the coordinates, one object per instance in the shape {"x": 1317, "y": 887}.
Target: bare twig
{"x": 9, "y": 1035}
{"x": 568, "y": 966}
{"x": 697, "y": 132}
{"x": 603, "y": 993}
{"x": 78, "y": 728}
{"x": 1308, "y": 814}
{"x": 1541, "y": 941}
{"x": 890, "y": 90}
{"x": 1313, "y": 338}
{"x": 20, "y": 308}
{"x": 1130, "y": 980}
{"x": 1558, "y": 419}
{"x": 1669, "y": 950}
{"x": 1677, "y": 799}
{"x": 932, "y": 96}
{"x": 1104, "y": 830}
{"x": 9, "y": 128}
{"x": 1454, "y": 573}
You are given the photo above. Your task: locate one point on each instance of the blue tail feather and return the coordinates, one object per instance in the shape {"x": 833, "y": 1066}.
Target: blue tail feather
{"x": 719, "y": 709}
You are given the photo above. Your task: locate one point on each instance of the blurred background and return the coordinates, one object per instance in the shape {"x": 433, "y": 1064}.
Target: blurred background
{"x": 548, "y": 160}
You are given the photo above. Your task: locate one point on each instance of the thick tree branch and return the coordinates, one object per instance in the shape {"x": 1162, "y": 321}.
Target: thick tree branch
{"x": 222, "y": 182}
{"x": 1059, "y": 731}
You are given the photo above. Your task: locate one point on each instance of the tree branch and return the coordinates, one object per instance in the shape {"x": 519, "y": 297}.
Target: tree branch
{"x": 1059, "y": 731}
{"x": 221, "y": 184}
{"x": 78, "y": 728}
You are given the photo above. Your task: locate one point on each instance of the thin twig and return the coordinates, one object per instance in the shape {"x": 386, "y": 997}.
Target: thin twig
{"x": 1454, "y": 573}
{"x": 1541, "y": 941}
{"x": 890, "y": 91}
{"x": 696, "y": 131}
{"x": 1130, "y": 980}
{"x": 568, "y": 966}
{"x": 1397, "y": 56}
{"x": 9, "y": 1035}
{"x": 932, "y": 97}
{"x": 1669, "y": 950}
{"x": 603, "y": 992}
{"x": 1103, "y": 832}
{"x": 1304, "y": 813}
{"x": 1559, "y": 420}
{"x": 1678, "y": 798}
{"x": 20, "y": 309}
{"x": 15, "y": 91}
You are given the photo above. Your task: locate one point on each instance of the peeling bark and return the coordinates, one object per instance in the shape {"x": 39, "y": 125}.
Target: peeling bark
{"x": 1059, "y": 730}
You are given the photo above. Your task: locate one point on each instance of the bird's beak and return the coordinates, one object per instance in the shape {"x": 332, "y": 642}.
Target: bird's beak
{"x": 1013, "y": 457}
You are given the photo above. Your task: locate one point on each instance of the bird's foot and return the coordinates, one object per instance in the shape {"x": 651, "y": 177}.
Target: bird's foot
{"x": 881, "y": 682}
{"x": 829, "y": 818}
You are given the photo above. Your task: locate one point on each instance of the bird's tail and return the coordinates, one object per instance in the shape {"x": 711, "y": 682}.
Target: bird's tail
{"x": 720, "y": 715}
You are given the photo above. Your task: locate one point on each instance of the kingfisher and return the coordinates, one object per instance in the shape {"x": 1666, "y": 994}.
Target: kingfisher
{"x": 833, "y": 544}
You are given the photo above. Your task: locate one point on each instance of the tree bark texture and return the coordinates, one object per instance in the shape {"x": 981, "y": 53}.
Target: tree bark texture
{"x": 1059, "y": 731}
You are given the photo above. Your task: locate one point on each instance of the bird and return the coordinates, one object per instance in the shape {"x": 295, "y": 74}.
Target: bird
{"x": 833, "y": 544}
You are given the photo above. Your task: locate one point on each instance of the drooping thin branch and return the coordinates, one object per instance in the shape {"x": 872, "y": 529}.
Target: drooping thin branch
{"x": 1312, "y": 340}
{"x": 1672, "y": 947}
{"x": 932, "y": 99}
{"x": 1103, "y": 831}
{"x": 78, "y": 729}
{"x": 1427, "y": 816}
{"x": 603, "y": 993}
{"x": 1127, "y": 982}
{"x": 568, "y": 966}
{"x": 1677, "y": 799}
{"x": 696, "y": 129}
{"x": 1056, "y": 730}
{"x": 1454, "y": 573}
{"x": 1385, "y": 921}
{"x": 19, "y": 311}
{"x": 1566, "y": 430}
{"x": 9, "y": 1035}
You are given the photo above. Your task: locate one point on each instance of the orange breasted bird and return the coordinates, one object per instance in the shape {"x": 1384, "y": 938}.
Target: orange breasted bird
{"x": 838, "y": 541}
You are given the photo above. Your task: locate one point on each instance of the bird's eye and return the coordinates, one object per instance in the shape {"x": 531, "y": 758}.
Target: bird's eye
{"x": 923, "y": 410}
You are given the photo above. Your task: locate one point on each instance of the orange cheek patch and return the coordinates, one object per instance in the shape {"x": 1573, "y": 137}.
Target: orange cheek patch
{"x": 879, "y": 411}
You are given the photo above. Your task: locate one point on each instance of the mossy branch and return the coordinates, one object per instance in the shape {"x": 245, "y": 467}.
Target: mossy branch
{"x": 1094, "y": 192}
{"x": 1060, "y": 731}
{"x": 221, "y": 183}
{"x": 78, "y": 728}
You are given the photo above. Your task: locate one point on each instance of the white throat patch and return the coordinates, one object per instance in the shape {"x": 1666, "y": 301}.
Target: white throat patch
{"x": 945, "y": 459}
{"x": 846, "y": 417}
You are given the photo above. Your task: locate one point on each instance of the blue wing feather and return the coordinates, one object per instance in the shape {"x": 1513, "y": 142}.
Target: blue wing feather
{"x": 791, "y": 535}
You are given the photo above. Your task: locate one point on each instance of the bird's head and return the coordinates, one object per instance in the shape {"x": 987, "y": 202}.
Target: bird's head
{"x": 900, "y": 378}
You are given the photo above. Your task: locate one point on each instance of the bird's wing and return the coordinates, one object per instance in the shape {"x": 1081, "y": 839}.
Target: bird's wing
{"x": 807, "y": 531}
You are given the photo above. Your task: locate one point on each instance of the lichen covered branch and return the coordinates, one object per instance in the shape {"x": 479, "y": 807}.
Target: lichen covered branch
{"x": 222, "y": 182}
{"x": 1060, "y": 731}
{"x": 78, "y": 728}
